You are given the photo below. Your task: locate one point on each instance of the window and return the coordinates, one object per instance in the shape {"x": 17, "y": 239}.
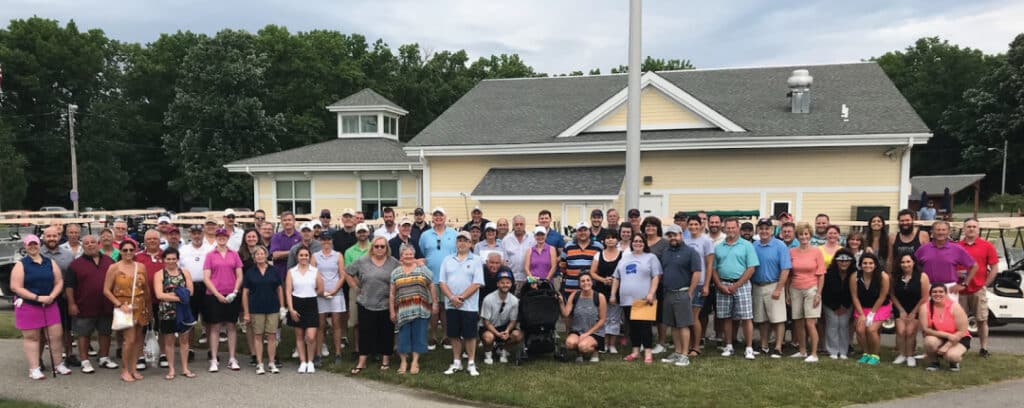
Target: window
{"x": 368, "y": 123}
{"x": 294, "y": 196}
{"x": 391, "y": 125}
{"x": 779, "y": 207}
{"x": 355, "y": 124}
{"x": 377, "y": 194}
{"x": 350, "y": 124}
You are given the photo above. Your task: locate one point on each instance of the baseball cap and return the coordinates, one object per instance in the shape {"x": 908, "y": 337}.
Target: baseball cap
{"x": 679, "y": 216}
{"x": 348, "y": 211}
{"x": 474, "y": 227}
{"x": 491, "y": 225}
{"x": 163, "y": 220}
{"x": 211, "y": 221}
{"x": 506, "y": 275}
{"x": 673, "y": 229}
{"x": 540, "y": 230}
{"x": 582, "y": 225}
{"x": 438, "y": 210}
{"x": 633, "y": 212}
{"x": 784, "y": 214}
{"x": 325, "y": 236}
{"x": 195, "y": 228}
{"x": 229, "y": 213}
{"x": 221, "y": 232}
{"x": 477, "y": 210}
{"x": 30, "y": 239}
{"x": 405, "y": 221}
{"x": 843, "y": 257}
{"x": 316, "y": 223}
{"x": 325, "y": 213}
{"x": 764, "y": 221}
{"x": 747, "y": 226}
{"x": 464, "y": 234}
{"x": 173, "y": 229}
{"x": 418, "y": 211}
{"x": 362, "y": 227}
{"x": 306, "y": 226}
{"x": 597, "y": 213}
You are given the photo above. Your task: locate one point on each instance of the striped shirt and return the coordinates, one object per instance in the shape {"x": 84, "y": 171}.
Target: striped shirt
{"x": 577, "y": 259}
{"x": 412, "y": 294}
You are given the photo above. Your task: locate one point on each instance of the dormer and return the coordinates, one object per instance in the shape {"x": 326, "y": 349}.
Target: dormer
{"x": 367, "y": 114}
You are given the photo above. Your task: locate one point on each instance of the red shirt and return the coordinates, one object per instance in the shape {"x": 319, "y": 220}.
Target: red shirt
{"x": 984, "y": 254}
{"x": 153, "y": 264}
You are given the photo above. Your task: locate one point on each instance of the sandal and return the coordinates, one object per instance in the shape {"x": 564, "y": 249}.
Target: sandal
{"x": 648, "y": 360}
{"x": 126, "y": 377}
{"x": 189, "y": 374}
{"x": 356, "y": 370}
{"x": 384, "y": 367}
{"x": 631, "y": 357}
{"x": 693, "y": 353}
{"x": 400, "y": 370}
{"x": 137, "y": 376}
{"x": 414, "y": 369}
{"x": 169, "y": 377}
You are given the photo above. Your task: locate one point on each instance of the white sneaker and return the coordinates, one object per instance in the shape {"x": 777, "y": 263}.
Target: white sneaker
{"x": 323, "y": 350}
{"x": 811, "y": 359}
{"x": 452, "y": 369}
{"x": 106, "y": 362}
{"x": 233, "y": 365}
{"x": 671, "y": 358}
{"x": 843, "y": 356}
{"x": 295, "y": 353}
{"x": 595, "y": 359}
{"x": 833, "y": 356}
{"x": 310, "y": 368}
{"x": 683, "y": 361}
{"x": 259, "y": 369}
{"x": 302, "y": 368}
{"x": 273, "y": 368}
{"x": 799, "y": 355}
{"x": 900, "y": 359}
{"x": 749, "y": 354}
{"x": 214, "y": 366}
{"x": 472, "y": 370}
{"x": 579, "y": 359}
{"x": 658, "y": 349}
{"x": 503, "y": 357}
{"x": 36, "y": 374}
{"x": 87, "y": 367}
{"x": 63, "y": 369}
{"x": 613, "y": 350}
{"x": 487, "y": 358}
{"x": 727, "y": 351}
{"x": 202, "y": 339}
{"x": 911, "y": 362}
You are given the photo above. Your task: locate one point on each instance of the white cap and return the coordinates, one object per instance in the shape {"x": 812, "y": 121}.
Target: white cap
{"x": 306, "y": 226}
{"x": 464, "y": 234}
{"x": 540, "y": 230}
{"x": 491, "y": 225}
{"x": 582, "y": 225}
{"x": 228, "y": 212}
{"x": 348, "y": 211}
{"x": 362, "y": 227}
{"x": 163, "y": 219}
{"x": 405, "y": 221}
{"x": 316, "y": 223}
{"x": 439, "y": 210}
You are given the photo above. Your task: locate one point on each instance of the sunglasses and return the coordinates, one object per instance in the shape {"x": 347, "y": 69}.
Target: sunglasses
{"x": 261, "y": 218}
{"x": 501, "y": 308}
{"x": 379, "y": 246}
{"x": 129, "y": 249}
{"x": 439, "y": 243}
{"x": 229, "y": 216}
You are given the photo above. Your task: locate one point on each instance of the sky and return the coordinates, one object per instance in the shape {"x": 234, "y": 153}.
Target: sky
{"x": 560, "y": 36}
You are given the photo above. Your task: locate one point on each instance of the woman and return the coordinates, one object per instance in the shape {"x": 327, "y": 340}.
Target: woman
{"x": 541, "y": 259}
{"x": 588, "y": 309}
{"x": 831, "y": 243}
{"x": 835, "y": 294}
{"x": 250, "y": 239}
{"x": 601, "y": 270}
{"x": 303, "y": 284}
{"x": 635, "y": 280}
{"x": 411, "y": 301}
{"x": 262, "y": 300}
{"x": 805, "y": 289}
{"x": 909, "y": 287}
{"x": 37, "y": 282}
{"x": 944, "y": 324}
{"x": 372, "y": 275}
{"x": 490, "y": 243}
{"x": 870, "y": 294}
{"x": 331, "y": 265}
{"x": 651, "y": 230}
{"x": 126, "y": 287}
{"x": 626, "y": 234}
{"x": 876, "y": 239}
{"x": 855, "y": 243}
{"x": 222, "y": 272}
{"x": 165, "y": 284}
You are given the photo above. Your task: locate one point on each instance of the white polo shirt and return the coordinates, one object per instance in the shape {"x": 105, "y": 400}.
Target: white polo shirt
{"x": 192, "y": 259}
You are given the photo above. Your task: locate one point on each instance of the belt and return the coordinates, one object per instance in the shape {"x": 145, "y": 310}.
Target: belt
{"x": 729, "y": 280}
{"x": 678, "y": 290}
{"x": 765, "y": 283}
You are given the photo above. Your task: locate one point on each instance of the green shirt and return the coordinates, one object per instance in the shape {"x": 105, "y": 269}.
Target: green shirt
{"x": 116, "y": 255}
{"x": 732, "y": 260}
{"x": 354, "y": 252}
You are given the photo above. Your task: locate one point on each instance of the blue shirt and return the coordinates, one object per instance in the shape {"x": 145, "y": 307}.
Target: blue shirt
{"x": 555, "y": 239}
{"x": 459, "y": 275}
{"x": 773, "y": 258}
{"x": 732, "y": 260}
{"x": 436, "y": 247}
{"x": 262, "y": 290}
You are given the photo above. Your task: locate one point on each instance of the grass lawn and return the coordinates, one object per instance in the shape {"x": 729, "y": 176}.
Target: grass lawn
{"x": 7, "y": 330}
{"x": 23, "y": 404}
{"x": 709, "y": 381}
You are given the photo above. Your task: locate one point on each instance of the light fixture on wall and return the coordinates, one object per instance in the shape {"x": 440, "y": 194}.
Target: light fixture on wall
{"x": 648, "y": 180}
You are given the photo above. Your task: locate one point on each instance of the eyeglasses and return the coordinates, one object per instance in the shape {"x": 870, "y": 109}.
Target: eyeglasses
{"x": 128, "y": 249}
{"x": 229, "y": 217}
{"x": 380, "y": 246}
{"x": 261, "y": 218}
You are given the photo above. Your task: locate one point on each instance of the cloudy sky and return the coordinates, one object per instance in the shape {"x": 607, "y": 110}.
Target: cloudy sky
{"x": 558, "y": 36}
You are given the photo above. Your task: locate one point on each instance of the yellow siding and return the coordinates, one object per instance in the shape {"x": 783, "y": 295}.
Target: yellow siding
{"x": 334, "y": 186}
{"x": 408, "y": 183}
{"x": 839, "y": 206}
{"x": 334, "y": 204}
{"x": 692, "y": 203}
{"x": 267, "y": 204}
{"x": 656, "y": 109}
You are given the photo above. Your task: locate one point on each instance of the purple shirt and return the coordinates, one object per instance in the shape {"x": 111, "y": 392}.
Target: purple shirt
{"x": 282, "y": 242}
{"x": 941, "y": 263}
{"x": 222, "y": 270}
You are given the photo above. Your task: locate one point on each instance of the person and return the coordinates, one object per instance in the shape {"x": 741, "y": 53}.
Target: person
{"x": 192, "y": 257}
{"x": 490, "y": 243}
{"x": 51, "y": 248}
{"x": 944, "y": 324}
{"x": 120, "y": 231}
{"x": 259, "y": 218}
{"x": 602, "y": 270}
{"x": 390, "y": 230}
{"x": 633, "y": 216}
{"x": 461, "y": 276}
{"x": 173, "y": 238}
{"x": 404, "y": 237}
{"x": 419, "y": 225}
{"x": 576, "y": 259}
{"x": 166, "y": 284}
{"x": 493, "y": 266}
{"x": 909, "y": 289}
{"x": 303, "y": 284}
{"x": 438, "y": 243}
{"x": 371, "y": 275}
{"x": 613, "y": 219}
{"x": 540, "y": 259}
{"x": 89, "y": 309}
{"x": 701, "y": 243}
{"x": 770, "y": 279}
{"x": 476, "y": 218}
{"x": 855, "y": 243}
{"x": 597, "y": 229}
{"x": 680, "y": 219}
{"x": 222, "y": 272}
{"x": 234, "y": 233}
{"x": 805, "y": 291}
{"x": 250, "y": 239}
{"x": 344, "y": 237}
{"x": 908, "y": 239}
{"x": 325, "y": 221}
{"x": 626, "y": 234}
{"x": 747, "y": 231}
{"x": 37, "y": 282}
{"x": 554, "y": 238}
{"x": 107, "y": 246}
{"x": 635, "y": 280}
{"x": 940, "y": 259}
{"x": 125, "y": 286}
{"x": 833, "y": 241}
{"x": 308, "y": 240}
{"x": 715, "y": 231}
{"x": 681, "y": 269}
{"x": 821, "y": 223}
{"x": 735, "y": 260}
{"x": 651, "y": 228}
{"x": 331, "y": 266}
{"x": 927, "y": 213}
{"x": 359, "y": 249}
{"x": 783, "y": 218}
{"x": 262, "y": 303}
{"x": 516, "y": 245}
{"x": 475, "y": 234}
{"x": 869, "y": 292}
{"x": 503, "y": 227}
{"x": 163, "y": 225}
{"x": 283, "y": 241}
{"x": 588, "y": 310}
{"x": 499, "y": 312}
{"x": 151, "y": 258}
{"x": 412, "y": 299}
{"x": 877, "y": 239}
{"x": 266, "y": 233}
{"x": 73, "y": 233}
{"x": 974, "y": 298}
{"x": 835, "y": 296}
{"x": 787, "y": 234}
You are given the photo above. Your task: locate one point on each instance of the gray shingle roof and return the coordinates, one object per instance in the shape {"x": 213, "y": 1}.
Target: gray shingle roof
{"x": 337, "y": 151}
{"x": 536, "y": 110}
{"x": 936, "y": 185}
{"x": 366, "y": 97}
{"x": 598, "y": 180}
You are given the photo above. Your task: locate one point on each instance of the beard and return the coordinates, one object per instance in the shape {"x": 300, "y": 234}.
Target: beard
{"x": 906, "y": 229}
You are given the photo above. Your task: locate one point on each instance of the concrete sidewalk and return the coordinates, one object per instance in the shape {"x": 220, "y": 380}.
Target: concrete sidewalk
{"x": 226, "y": 388}
{"x": 1003, "y": 394}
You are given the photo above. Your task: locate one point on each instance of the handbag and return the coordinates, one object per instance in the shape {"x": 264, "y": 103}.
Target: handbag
{"x": 125, "y": 320}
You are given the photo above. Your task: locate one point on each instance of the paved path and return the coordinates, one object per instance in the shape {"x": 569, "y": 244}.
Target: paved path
{"x": 226, "y": 388}
{"x": 1003, "y": 394}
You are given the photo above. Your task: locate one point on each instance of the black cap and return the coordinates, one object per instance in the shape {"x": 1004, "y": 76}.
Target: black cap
{"x": 680, "y": 216}
{"x": 596, "y": 213}
{"x": 325, "y": 213}
{"x": 747, "y": 226}
{"x": 325, "y": 235}
{"x": 764, "y": 221}
{"x": 418, "y": 211}
{"x": 633, "y": 212}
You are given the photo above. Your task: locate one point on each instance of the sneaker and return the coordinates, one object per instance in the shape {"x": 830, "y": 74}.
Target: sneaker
{"x": 273, "y": 368}
{"x": 295, "y": 353}
{"x": 775, "y": 353}
{"x": 671, "y": 358}
{"x": 900, "y": 359}
{"x": 749, "y": 354}
{"x": 683, "y": 361}
{"x": 310, "y": 368}
{"x": 920, "y": 356}
{"x": 864, "y": 358}
{"x": 843, "y": 356}
{"x": 233, "y": 365}
{"x": 983, "y": 353}
{"x": 934, "y": 366}
{"x": 472, "y": 370}
{"x": 431, "y": 344}
{"x": 302, "y": 368}
{"x": 36, "y": 373}
{"x": 833, "y": 356}
{"x": 727, "y": 351}
{"x": 658, "y": 349}
{"x": 214, "y": 366}
{"x": 318, "y": 362}
{"x": 798, "y": 355}
{"x": 764, "y": 350}
{"x": 323, "y": 350}
{"x": 955, "y": 367}
{"x": 337, "y": 359}
{"x": 163, "y": 361}
{"x": 911, "y": 362}
{"x": 259, "y": 369}
{"x": 446, "y": 344}
{"x": 62, "y": 369}
{"x": 503, "y": 357}
{"x": 92, "y": 352}
{"x": 252, "y": 360}
{"x": 873, "y": 360}
{"x": 811, "y": 359}
{"x": 140, "y": 364}
{"x": 87, "y": 367}
{"x": 595, "y": 359}
{"x": 579, "y": 359}
{"x": 487, "y": 358}
{"x": 106, "y": 362}
{"x": 613, "y": 350}
{"x": 202, "y": 339}
{"x": 452, "y": 369}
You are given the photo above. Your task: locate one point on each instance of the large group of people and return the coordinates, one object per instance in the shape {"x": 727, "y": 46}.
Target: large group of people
{"x": 628, "y": 284}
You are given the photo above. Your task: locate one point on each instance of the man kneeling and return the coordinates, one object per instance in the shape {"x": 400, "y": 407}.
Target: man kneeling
{"x": 498, "y": 316}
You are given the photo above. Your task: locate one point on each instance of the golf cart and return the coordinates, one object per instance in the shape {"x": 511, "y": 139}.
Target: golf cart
{"x": 1006, "y": 294}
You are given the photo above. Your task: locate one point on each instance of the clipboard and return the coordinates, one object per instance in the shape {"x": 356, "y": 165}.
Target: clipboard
{"x": 640, "y": 310}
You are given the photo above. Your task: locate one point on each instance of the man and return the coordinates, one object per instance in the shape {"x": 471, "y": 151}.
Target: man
{"x": 210, "y": 232}
{"x": 769, "y": 279}
{"x": 503, "y": 228}
{"x": 679, "y": 218}
{"x": 700, "y": 242}
{"x": 493, "y": 266}
{"x": 235, "y": 234}
{"x": 266, "y": 230}
{"x": 927, "y": 213}
{"x": 747, "y": 231}
{"x": 437, "y": 243}
{"x": 974, "y": 299}
{"x": 613, "y": 219}
{"x": 907, "y": 240}
{"x": 634, "y": 218}
{"x": 73, "y": 233}
{"x": 107, "y": 244}
{"x": 120, "y": 231}
{"x": 821, "y": 223}
{"x": 515, "y": 246}
{"x": 325, "y": 220}
{"x": 282, "y": 243}
{"x": 940, "y": 259}
{"x": 191, "y": 258}
{"x": 62, "y": 257}
{"x": 577, "y": 258}
{"x": 499, "y": 311}
{"x": 259, "y": 217}
{"x": 715, "y": 229}
{"x": 152, "y": 259}
{"x": 390, "y": 230}
{"x": 597, "y": 232}
{"x": 163, "y": 224}
{"x": 404, "y": 237}
{"x": 787, "y": 234}
{"x": 475, "y": 232}
{"x": 461, "y": 275}
{"x": 307, "y": 234}
{"x": 681, "y": 270}
{"x": 419, "y": 224}
{"x": 735, "y": 260}
{"x": 703, "y": 215}
{"x": 476, "y": 218}
{"x": 317, "y": 229}
{"x": 359, "y": 217}
{"x": 173, "y": 238}
{"x": 345, "y": 237}
{"x": 89, "y": 308}
{"x": 554, "y": 238}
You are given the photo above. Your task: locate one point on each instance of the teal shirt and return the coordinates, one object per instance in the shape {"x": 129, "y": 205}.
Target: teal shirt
{"x": 732, "y": 260}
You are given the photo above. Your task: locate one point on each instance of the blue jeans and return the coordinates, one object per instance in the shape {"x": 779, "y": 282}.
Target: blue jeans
{"x": 412, "y": 336}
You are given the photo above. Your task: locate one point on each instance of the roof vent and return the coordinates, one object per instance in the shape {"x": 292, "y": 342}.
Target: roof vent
{"x": 800, "y": 90}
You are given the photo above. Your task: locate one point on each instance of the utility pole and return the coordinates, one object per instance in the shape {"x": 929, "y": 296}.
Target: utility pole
{"x": 72, "y": 108}
{"x": 633, "y": 109}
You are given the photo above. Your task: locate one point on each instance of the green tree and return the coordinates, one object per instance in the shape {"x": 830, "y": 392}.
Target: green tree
{"x": 12, "y": 170}
{"x": 657, "y": 64}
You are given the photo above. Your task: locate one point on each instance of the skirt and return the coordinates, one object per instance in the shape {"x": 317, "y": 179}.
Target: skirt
{"x": 335, "y": 304}
{"x": 884, "y": 312}
{"x": 309, "y": 316}
{"x": 32, "y": 317}
{"x": 216, "y": 312}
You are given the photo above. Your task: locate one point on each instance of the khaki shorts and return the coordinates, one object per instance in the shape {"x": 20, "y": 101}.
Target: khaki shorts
{"x": 975, "y": 304}
{"x": 767, "y": 309}
{"x": 801, "y": 302}
{"x": 265, "y": 323}
{"x": 353, "y": 313}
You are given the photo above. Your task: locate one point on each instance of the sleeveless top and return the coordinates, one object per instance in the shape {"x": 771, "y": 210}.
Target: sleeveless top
{"x": 908, "y": 293}
{"x": 327, "y": 265}
{"x": 900, "y": 248}
{"x": 303, "y": 285}
{"x": 868, "y": 295}
{"x": 123, "y": 290}
{"x": 585, "y": 313}
{"x": 605, "y": 269}
{"x": 38, "y": 277}
{"x": 167, "y": 310}
{"x": 540, "y": 261}
{"x": 942, "y": 319}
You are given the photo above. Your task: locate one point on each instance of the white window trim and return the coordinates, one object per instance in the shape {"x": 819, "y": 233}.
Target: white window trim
{"x": 293, "y": 179}
{"x": 379, "y": 178}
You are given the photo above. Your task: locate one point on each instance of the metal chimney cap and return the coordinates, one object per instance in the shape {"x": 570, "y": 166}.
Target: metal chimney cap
{"x": 800, "y": 78}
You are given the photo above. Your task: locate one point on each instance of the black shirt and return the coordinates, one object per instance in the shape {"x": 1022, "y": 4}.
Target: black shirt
{"x": 396, "y": 245}
{"x": 343, "y": 240}
{"x": 491, "y": 282}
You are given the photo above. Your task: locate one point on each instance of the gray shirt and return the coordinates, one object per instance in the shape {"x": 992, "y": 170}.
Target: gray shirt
{"x": 314, "y": 247}
{"x": 492, "y": 311}
{"x": 704, "y": 247}
{"x": 635, "y": 273}
{"x": 374, "y": 281}
{"x": 61, "y": 256}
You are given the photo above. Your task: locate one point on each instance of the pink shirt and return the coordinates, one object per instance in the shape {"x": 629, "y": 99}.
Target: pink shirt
{"x": 222, "y": 270}
{"x": 807, "y": 267}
